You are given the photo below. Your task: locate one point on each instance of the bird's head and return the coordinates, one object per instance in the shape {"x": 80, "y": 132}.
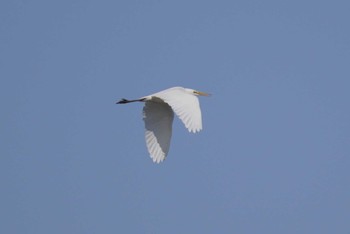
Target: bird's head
{"x": 197, "y": 93}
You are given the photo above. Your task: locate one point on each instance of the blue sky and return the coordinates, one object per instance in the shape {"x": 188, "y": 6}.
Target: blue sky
{"x": 274, "y": 153}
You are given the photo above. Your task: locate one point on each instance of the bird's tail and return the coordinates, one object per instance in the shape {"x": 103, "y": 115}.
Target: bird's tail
{"x": 124, "y": 101}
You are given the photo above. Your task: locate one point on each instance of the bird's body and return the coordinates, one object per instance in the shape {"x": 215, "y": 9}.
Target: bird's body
{"x": 158, "y": 115}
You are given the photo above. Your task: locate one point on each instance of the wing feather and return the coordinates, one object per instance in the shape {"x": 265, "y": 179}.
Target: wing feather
{"x": 185, "y": 105}
{"x": 158, "y": 117}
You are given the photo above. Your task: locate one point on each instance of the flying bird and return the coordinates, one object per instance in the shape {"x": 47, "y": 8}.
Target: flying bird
{"x": 158, "y": 115}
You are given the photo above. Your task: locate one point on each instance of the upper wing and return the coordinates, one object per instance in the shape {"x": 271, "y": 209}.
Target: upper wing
{"x": 158, "y": 117}
{"x": 185, "y": 105}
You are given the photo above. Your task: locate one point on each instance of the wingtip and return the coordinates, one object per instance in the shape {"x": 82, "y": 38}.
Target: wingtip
{"x": 194, "y": 130}
{"x": 157, "y": 160}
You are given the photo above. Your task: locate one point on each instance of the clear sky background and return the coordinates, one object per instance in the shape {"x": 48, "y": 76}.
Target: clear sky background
{"x": 273, "y": 156}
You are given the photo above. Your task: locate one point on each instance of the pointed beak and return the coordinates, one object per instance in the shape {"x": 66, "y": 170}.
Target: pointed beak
{"x": 202, "y": 93}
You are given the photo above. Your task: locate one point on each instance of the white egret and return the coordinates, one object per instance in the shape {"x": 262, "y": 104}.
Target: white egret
{"x": 158, "y": 115}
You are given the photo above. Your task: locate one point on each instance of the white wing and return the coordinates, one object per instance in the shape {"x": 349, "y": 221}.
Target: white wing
{"x": 185, "y": 105}
{"x": 158, "y": 117}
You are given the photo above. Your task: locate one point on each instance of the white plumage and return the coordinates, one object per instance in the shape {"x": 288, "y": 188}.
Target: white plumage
{"x": 158, "y": 115}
